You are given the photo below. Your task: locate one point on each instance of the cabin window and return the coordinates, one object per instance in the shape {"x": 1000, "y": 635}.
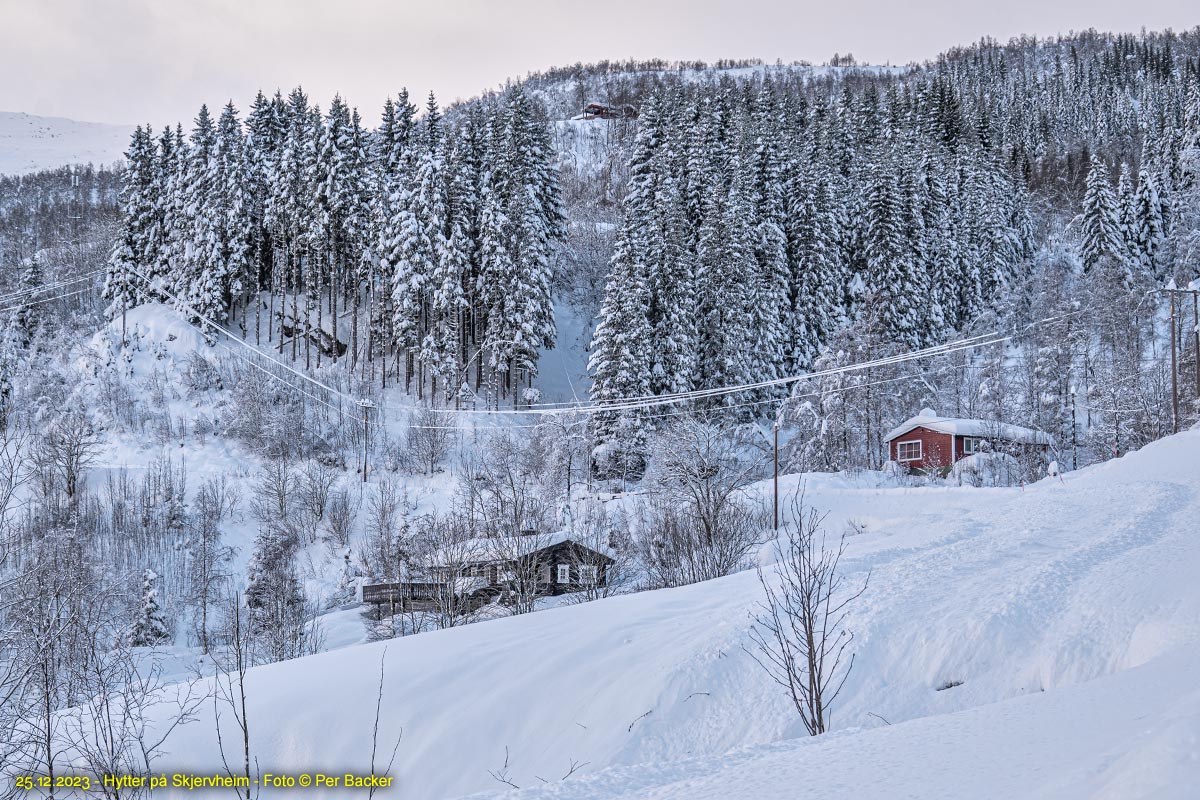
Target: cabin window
{"x": 544, "y": 574}
{"x": 564, "y": 573}
{"x": 908, "y": 451}
{"x": 970, "y": 445}
{"x": 587, "y": 573}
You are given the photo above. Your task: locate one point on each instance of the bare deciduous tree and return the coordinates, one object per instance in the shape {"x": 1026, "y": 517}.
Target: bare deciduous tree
{"x": 229, "y": 690}
{"x": 799, "y": 633}
{"x": 697, "y": 523}
{"x": 208, "y": 557}
{"x": 72, "y": 442}
{"x": 429, "y": 438}
{"x": 110, "y": 731}
{"x": 445, "y": 551}
{"x": 340, "y": 516}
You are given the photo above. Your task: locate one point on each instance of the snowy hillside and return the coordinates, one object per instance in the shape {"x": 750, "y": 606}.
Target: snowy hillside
{"x": 995, "y": 618}
{"x": 29, "y": 143}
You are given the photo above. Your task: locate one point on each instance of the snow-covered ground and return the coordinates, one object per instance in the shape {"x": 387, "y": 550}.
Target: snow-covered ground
{"x": 29, "y": 143}
{"x": 1066, "y": 613}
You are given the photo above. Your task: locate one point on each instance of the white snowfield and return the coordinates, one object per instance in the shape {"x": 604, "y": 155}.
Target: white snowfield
{"x": 29, "y": 143}
{"x": 1067, "y": 612}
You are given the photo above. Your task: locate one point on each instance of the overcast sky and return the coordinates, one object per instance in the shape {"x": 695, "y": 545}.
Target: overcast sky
{"x": 155, "y": 61}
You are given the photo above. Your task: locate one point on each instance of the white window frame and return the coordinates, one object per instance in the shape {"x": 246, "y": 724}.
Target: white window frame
{"x": 564, "y": 573}
{"x": 589, "y": 574}
{"x": 920, "y": 450}
{"x": 974, "y": 442}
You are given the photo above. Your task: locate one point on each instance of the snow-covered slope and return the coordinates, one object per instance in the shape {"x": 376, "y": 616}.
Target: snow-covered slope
{"x": 29, "y": 143}
{"x": 1068, "y": 610}
{"x": 1128, "y": 735}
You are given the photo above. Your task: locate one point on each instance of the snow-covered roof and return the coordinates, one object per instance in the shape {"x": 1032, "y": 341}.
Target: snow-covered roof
{"x": 485, "y": 549}
{"x": 987, "y": 429}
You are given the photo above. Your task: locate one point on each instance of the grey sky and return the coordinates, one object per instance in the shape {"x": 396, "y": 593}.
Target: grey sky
{"x": 156, "y": 60}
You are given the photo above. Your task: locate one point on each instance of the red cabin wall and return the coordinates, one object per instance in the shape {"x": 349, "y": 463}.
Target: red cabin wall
{"x": 937, "y": 449}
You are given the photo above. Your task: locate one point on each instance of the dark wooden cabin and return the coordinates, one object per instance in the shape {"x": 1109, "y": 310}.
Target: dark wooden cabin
{"x": 481, "y": 569}
{"x": 601, "y": 111}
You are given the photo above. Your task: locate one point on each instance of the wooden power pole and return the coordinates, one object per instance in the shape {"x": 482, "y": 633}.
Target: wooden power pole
{"x": 776, "y": 473}
{"x": 1196, "y": 335}
{"x": 1174, "y": 369}
{"x": 366, "y": 406}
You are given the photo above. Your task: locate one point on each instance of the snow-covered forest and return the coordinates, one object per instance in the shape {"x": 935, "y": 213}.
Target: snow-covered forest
{"x": 436, "y": 235}
{"x": 284, "y": 352}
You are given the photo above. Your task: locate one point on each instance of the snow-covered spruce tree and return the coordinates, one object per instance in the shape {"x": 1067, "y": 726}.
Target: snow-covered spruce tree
{"x": 264, "y": 135}
{"x": 289, "y": 211}
{"x": 408, "y": 256}
{"x": 135, "y": 251}
{"x": 1147, "y": 228}
{"x": 233, "y": 207}
{"x": 170, "y": 231}
{"x": 203, "y": 277}
{"x": 391, "y": 152}
{"x": 1100, "y": 223}
{"x": 439, "y": 348}
{"x": 527, "y": 192}
{"x": 763, "y": 175}
{"x": 620, "y": 367}
{"x": 150, "y": 626}
{"x": 673, "y": 286}
{"x": 818, "y": 270}
{"x": 892, "y": 276}
{"x": 29, "y": 317}
{"x": 1127, "y": 226}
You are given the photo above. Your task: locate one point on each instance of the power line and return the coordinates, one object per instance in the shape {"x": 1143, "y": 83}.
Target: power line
{"x": 45, "y": 300}
{"x": 647, "y": 401}
{"x": 48, "y": 287}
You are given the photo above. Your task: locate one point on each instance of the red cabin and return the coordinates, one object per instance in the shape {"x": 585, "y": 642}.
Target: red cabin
{"x": 928, "y": 441}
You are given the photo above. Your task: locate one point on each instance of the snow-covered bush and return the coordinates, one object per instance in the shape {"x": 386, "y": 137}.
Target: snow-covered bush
{"x": 150, "y": 627}
{"x": 988, "y": 469}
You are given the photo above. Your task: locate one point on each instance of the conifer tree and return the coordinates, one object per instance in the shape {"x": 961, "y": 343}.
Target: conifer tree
{"x": 135, "y": 250}
{"x": 149, "y": 627}
{"x": 28, "y": 318}
{"x": 1101, "y": 236}
{"x": 1147, "y": 239}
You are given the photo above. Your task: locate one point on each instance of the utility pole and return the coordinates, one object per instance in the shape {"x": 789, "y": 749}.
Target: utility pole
{"x": 366, "y": 406}
{"x": 778, "y": 416}
{"x": 124, "y": 300}
{"x": 1174, "y": 368}
{"x": 1196, "y": 333}
{"x": 1074, "y": 438}
{"x": 776, "y": 473}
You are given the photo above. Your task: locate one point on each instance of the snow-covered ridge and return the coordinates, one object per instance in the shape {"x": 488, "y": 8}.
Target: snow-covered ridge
{"x": 29, "y": 143}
